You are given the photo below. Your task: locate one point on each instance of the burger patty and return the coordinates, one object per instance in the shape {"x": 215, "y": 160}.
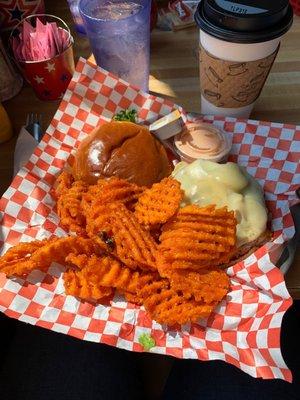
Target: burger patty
{"x": 249, "y": 248}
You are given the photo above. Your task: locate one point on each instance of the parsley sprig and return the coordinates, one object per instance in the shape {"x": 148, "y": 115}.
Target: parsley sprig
{"x": 147, "y": 341}
{"x": 126, "y": 115}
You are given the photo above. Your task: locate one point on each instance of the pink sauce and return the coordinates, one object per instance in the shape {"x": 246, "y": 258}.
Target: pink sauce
{"x": 201, "y": 140}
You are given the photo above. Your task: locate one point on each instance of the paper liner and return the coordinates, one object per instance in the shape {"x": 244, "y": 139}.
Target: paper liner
{"x": 244, "y": 329}
{"x": 232, "y": 84}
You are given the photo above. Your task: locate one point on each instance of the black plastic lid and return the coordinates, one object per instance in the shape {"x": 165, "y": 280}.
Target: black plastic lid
{"x": 244, "y": 21}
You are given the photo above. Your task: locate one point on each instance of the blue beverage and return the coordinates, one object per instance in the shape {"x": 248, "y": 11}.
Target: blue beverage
{"x": 119, "y": 34}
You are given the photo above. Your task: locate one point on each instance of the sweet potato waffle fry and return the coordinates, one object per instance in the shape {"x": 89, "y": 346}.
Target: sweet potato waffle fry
{"x": 132, "y": 298}
{"x": 91, "y": 195}
{"x": 69, "y": 208}
{"x": 197, "y": 238}
{"x": 133, "y": 245}
{"x": 107, "y": 271}
{"x": 207, "y": 285}
{"x": 110, "y": 191}
{"x": 107, "y": 192}
{"x": 74, "y": 199}
{"x": 159, "y": 203}
{"x": 23, "y": 258}
{"x": 63, "y": 184}
{"x": 78, "y": 285}
{"x": 168, "y": 306}
{"x": 116, "y": 189}
{"x": 137, "y": 242}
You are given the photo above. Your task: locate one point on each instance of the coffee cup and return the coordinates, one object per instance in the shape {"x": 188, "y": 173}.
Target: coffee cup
{"x": 239, "y": 41}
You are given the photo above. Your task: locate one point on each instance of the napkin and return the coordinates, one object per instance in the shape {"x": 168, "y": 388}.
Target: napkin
{"x": 25, "y": 146}
{"x": 39, "y": 43}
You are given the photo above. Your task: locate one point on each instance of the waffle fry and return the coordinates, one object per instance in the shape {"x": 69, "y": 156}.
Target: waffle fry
{"x": 106, "y": 192}
{"x": 132, "y": 298}
{"x": 120, "y": 190}
{"x": 75, "y": 201}
{"x": 69, "y": 208}
{"x": 170, "y": 307}
{"x": 91, "y": 195}
{"x": 79, "y": 286}
{"x": 106, "y": 271}
{"x": 210, "y": 218}
{"x": 207, "y": 219}
{"x": 40, "y": 257}
{"x": 198, "y": 237}
{"x": 21, "y": 251}
{"x": 159, "y": 203}
{"x": 131, "y": 243}
{"x": 207, "y": 286}
{"x": 110, "y": 191}
{"x": 63, "y": 184}
{"x": 140, "y": 244}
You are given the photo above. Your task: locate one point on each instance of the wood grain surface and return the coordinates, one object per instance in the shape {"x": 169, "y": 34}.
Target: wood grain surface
{"x": 174, "y": 74}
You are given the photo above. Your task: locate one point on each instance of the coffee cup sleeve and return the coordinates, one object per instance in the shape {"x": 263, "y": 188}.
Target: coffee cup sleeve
{"x": 230, "y": 84}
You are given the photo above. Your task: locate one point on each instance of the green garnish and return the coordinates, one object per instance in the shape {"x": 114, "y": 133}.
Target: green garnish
{"x": 126, "y": 115}
{"x": 147, "y": 341}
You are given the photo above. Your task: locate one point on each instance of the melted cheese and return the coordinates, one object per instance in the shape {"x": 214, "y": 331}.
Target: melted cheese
{"x": 206, "y": 182}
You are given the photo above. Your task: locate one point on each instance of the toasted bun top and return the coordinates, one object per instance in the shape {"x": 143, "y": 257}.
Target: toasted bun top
{"x": 122, "y": 149}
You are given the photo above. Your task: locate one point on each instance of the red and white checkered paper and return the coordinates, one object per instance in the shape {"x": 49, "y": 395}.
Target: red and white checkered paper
{"x": 244, "y": 329}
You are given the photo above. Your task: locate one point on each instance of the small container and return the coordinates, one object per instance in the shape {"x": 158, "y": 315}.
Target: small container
{"x": 49, "y": 78}
{"x": 202, "y": 140}
{"x": 167, "y": 126}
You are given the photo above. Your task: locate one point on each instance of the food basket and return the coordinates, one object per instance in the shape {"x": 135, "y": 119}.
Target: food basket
{"x": 244, "y": 329}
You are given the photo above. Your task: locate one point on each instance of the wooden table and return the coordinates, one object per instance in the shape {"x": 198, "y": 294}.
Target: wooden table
{"x": 174, "y": 74}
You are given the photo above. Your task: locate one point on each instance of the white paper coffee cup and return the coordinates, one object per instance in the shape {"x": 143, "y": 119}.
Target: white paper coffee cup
{"x": 235, "y": 34}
